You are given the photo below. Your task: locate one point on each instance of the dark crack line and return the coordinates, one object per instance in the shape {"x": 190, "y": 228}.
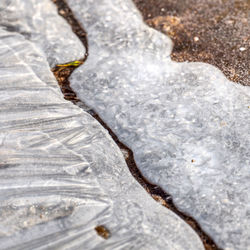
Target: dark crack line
{"x": 62, "y": 75}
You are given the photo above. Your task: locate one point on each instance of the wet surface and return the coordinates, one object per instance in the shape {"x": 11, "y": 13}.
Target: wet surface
{"x": 215, "y": 32}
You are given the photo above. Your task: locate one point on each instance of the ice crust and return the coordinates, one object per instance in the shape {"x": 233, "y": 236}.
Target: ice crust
{"x": 187, "y": 125}
{"x": 39, "y": 22}
{"x": 61, "y": 174}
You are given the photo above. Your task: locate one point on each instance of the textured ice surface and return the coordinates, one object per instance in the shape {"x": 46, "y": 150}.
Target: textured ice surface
{"x": 39, "y": 22}
{"x": 61, "y": 174}
{"x": 187, "y": 125}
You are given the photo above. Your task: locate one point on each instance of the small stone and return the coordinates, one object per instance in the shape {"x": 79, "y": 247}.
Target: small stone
{"x": 242, "y": 49}
{"x": 102, "y": 231}
{"x": 62, "y": 12}
{"x": 196, "y": 38}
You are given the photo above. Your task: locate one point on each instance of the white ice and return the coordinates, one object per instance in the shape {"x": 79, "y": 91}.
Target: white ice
{"x": 187, "y": 125}
{"x": 61, "y": 174}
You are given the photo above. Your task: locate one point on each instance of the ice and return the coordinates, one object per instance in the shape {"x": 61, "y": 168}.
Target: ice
{"x": 187, "y": 125}
{"x": 39, "y": 22}
{"x": 61, "y": 174}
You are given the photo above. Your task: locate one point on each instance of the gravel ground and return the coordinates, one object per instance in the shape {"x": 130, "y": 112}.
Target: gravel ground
{"x": 215, "y": 32}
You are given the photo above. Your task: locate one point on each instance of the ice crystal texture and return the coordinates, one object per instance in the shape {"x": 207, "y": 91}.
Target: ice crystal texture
{"x": 39, "y": 22}
{"x": 187, "y": 125}
{"x": 61, "y": 174}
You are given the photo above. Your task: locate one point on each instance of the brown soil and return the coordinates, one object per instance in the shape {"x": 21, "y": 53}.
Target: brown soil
{"x": 211, "y": 31}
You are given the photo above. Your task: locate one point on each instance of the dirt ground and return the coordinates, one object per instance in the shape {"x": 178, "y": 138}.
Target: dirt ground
{"x": 211, "y": 31}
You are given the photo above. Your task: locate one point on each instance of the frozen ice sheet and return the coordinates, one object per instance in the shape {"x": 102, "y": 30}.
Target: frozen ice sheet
{"x": 187, "y": 125}
{"x": 39, "y": 22}
{"x": 61, "y": 174}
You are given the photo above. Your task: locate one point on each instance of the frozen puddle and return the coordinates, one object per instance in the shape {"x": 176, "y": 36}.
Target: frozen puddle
{"x": 61, "y": 174}
{"x": 187, "y": 125}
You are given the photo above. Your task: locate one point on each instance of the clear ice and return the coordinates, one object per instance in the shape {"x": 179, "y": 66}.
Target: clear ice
{"x": 39, "y": 22}
{"x": 187, "y": 125}
{"x": 61, "y": 174}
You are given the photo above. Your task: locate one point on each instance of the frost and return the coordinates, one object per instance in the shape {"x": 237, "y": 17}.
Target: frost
{"x": 39, "y": 22}
{"x": 187, "y": 125}
{"x": 61, "y": 174}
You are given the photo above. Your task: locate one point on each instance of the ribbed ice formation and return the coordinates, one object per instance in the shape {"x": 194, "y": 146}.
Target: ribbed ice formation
{"x": 61, "y": 174}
